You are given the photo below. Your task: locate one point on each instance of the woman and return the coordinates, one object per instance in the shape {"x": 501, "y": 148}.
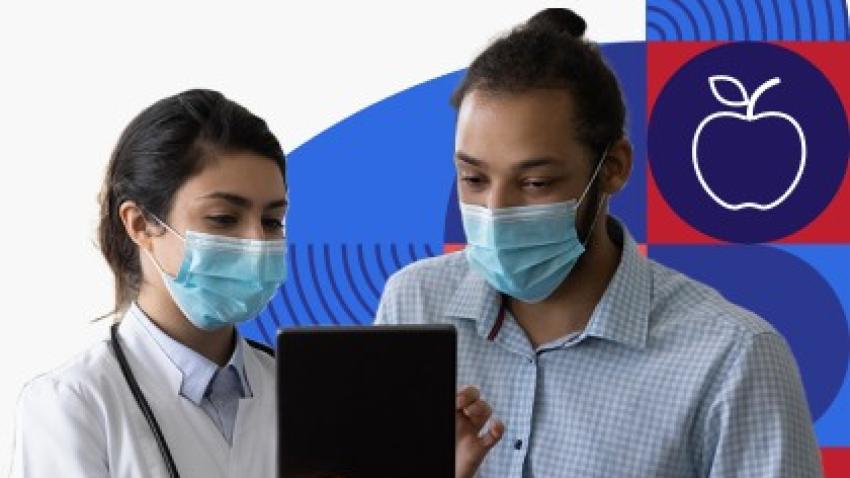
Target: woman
{"x": 192, "y": 226}
{"x": 194, "y": 185}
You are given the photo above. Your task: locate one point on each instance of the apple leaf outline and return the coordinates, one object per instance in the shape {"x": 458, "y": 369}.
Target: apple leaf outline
{"x": 715, "y": 80}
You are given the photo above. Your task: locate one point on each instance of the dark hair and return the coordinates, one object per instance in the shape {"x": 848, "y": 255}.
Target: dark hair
{"x": 549, "y": 51}
{"x": 165, "y": 145}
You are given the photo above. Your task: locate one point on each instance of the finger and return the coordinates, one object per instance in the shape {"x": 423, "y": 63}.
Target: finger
{"x": 478, "y": 413}
{"x": 493, "y": 435}
{"x": 466, "y": 397}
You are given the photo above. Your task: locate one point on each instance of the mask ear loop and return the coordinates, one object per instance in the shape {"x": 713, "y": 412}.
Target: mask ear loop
{"x": 601, "y": 198}
{"x": 165, "y": 225}
{"x": 148, "y": 253}
{"x": 593, "y": 224}
{"x": 593, "y": 177}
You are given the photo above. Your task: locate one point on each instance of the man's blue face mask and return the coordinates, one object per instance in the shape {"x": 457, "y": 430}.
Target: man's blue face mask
{"x": 525, "y": 252}
{"x": 224, "y": 280}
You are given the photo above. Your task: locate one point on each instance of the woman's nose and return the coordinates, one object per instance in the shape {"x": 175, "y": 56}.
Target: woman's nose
{"x": 254, "y": 230}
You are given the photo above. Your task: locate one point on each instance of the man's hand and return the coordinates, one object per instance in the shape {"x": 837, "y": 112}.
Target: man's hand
{"x": 471, "y": 414}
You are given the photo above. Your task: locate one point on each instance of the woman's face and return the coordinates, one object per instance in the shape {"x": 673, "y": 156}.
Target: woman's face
{"x": 238, "y": 194}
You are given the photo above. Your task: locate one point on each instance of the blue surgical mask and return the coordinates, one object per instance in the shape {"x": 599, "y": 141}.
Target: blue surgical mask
{"x": 224, "y": 280}
{"x": 525, "y": 252}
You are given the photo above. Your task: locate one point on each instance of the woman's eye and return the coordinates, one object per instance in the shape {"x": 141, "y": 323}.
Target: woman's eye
{"x": 273, "y": 224}
{"x": 223, "y": 220}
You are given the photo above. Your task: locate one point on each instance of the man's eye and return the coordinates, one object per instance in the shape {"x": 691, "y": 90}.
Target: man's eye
{"x": 222, "y": 220}
{"x": 537, "y": 183}
{"x": 472, "y": 180}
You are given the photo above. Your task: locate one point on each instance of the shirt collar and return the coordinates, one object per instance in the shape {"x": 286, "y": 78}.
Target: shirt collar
{"x": 622, "y": 314}
{"x": 475, "y": 299}
{"x": 196, "y": 370}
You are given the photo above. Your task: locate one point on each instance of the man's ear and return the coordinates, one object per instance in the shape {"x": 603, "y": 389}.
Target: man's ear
{"x": 135, "y": 224}
{"x": 617, "y": 167}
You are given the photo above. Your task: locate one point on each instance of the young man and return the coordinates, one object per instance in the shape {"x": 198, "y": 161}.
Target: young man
{"x": 599, "y": 361}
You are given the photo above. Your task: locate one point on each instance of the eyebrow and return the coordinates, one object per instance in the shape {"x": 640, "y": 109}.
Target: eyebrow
{"x": 243, "y": 202}
{"x": 461, "y": 156}
{"x": 520, "y": 166}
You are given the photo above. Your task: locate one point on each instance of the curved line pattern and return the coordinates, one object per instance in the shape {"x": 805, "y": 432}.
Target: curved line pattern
{"x": 777, "y": 15}
{"x": 748, "y": 20}
{"x": 708, "y": 20}
{"x": 366, "y": 275}
{"x": 380, "y": 261}
{"x": 796, "y": 18}
{"x": 289, "y": 309}
{"x": 411, "y": 251}
{"x": 810, "y": 11}
{"x": 762, "y": 20}
{"x": 697, "y": 16}
{"x": 668, "y": 12}
{"x": 691, "y": 19}
{"x": 394, "y": 255}
{"x": 837, "y": 19}
{"x": 730, "y": 30}
{"x": 744, "y": 19}
{"x": 660, "y": 31}
{"x": 817, "y": 20}
{"x": 314, "y": 276}
{"x": 672, "y": 21}
{"x": 298, "y": 286}
{"x": 335, "y": 288}
{"x": 823, "y": 16}
{"x": 429, "y": 251}
{"x": 336, "y": 304}
{"x": 829, "y": 19}
{"x": 273, "y": 314}
{"x": 354, "y": 289}
{"x": 263, "y": 332}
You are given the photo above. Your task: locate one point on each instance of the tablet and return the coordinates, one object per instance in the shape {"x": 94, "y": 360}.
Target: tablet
{"x": 358, "y": 402}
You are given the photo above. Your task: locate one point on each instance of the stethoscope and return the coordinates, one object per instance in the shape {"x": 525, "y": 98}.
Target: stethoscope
{"x": 143, "y": 403}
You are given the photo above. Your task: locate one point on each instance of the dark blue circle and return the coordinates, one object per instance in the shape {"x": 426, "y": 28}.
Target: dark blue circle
{"x": 748, "y": 160}
{"x": 786, "y": 291}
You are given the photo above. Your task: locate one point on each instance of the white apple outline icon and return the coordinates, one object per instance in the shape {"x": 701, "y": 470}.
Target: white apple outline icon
{"x": 750, "y": 103}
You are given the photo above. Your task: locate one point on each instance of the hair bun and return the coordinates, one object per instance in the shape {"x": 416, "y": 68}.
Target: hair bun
{"x": 560, "y": 20}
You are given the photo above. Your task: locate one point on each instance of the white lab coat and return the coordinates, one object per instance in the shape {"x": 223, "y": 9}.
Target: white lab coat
{"x": 82, "y": 421}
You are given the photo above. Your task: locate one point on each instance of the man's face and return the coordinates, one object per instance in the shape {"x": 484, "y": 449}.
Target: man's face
{"x": 520, "y": 149}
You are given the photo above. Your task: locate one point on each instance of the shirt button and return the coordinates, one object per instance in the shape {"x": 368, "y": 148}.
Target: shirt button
{"x": 518, "y": 445}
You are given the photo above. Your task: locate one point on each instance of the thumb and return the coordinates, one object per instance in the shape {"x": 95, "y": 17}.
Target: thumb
{"x": 493, "y": 435}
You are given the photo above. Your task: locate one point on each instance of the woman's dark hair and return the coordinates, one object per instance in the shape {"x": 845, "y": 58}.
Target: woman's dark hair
{"x": 549, "y": 51}
{"x": 165, "y": 145}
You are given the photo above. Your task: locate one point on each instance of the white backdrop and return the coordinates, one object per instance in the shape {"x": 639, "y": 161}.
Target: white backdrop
{"x": 72, "y": 75}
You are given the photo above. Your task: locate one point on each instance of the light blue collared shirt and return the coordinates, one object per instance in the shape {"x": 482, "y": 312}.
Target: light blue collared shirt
{"x": 668, "y": 379}
{"x": 215, "y": 389}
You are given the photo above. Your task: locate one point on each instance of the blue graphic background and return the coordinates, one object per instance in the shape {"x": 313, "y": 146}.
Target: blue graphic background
{"x": 375, "y": 192}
